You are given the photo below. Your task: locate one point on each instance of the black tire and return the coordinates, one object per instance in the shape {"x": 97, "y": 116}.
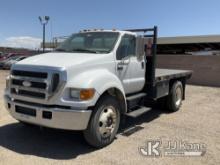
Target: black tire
{"x": 92, "y": 134}
{"x": 173, "y": 102}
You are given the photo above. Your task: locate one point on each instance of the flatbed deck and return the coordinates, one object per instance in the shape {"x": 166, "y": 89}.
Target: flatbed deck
{"x": 167, "y": 74}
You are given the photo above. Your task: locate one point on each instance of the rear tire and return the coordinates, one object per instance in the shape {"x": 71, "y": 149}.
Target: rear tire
{"x": 104, "y": 122}
{"x": 174, "y": 99}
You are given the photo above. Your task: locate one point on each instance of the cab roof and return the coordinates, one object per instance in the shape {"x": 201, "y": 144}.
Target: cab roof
{"x": 113, "y": 30}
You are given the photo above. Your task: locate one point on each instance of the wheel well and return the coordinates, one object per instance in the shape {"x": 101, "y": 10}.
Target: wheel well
{"x": 182, "y": 80}
{"x": 119, "y": 96}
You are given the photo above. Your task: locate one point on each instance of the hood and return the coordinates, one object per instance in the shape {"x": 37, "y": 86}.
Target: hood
{"x": 60, "y": 59}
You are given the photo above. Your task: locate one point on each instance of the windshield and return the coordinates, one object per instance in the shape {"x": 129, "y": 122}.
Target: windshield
{"x": 90, "y": 42}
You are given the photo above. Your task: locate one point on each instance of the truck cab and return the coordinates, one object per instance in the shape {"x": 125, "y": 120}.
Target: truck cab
{"x": 91, "y": 81}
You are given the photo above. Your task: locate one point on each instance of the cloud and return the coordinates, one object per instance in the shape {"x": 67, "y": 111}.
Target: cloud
{"x": 22, "y": 42}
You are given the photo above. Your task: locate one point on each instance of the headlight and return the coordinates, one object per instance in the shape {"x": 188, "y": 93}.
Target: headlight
{"x": 7, "y": 82}
{"x": 82, "y": 94}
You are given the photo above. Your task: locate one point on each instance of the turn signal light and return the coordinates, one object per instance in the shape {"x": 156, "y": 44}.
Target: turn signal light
{"x": 86, "y": 94}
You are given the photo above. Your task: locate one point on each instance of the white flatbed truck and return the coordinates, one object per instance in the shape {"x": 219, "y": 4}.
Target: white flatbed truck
{"x": 93, "y": 79}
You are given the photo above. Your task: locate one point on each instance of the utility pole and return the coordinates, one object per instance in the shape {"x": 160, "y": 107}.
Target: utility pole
{"x": 44, "y": 20}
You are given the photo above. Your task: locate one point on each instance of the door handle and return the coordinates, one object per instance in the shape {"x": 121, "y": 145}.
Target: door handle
{"x": 120, "y": 67}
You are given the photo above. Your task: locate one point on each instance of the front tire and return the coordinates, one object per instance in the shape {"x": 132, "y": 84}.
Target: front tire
{"x": 104, "y": 122}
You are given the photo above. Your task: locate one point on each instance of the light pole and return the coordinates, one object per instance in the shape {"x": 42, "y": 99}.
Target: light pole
{"x": 44, "y": 20}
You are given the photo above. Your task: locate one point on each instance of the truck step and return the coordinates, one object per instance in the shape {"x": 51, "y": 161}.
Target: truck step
{"x": 138, "y": 112}
{"x": 136, "y": 96}
{"x": 134, "y": 100}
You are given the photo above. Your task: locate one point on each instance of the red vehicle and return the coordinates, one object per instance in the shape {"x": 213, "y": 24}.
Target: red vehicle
{"x": 9, "y": 55}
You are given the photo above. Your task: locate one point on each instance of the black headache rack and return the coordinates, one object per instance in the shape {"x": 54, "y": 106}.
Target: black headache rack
{"x": 149, "y": 37}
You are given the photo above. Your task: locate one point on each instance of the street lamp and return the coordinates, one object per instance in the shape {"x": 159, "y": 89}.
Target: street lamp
{"x": 44, "y": 20}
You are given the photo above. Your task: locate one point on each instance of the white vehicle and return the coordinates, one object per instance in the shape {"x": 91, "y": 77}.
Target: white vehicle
{"x": 92, "y": 80}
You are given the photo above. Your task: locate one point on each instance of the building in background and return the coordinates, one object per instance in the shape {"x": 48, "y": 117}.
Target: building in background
{"x": 191, "y": 45}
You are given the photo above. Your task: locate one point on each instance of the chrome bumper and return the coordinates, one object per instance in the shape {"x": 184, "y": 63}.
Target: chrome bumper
{"x": 55, "y": 117}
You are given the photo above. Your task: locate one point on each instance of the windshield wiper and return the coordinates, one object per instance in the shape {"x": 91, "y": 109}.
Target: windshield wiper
{"x": 85, "y": 50}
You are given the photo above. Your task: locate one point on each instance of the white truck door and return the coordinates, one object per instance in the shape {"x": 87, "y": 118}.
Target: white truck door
{"x": 131, "y": 71}
{"x": 137, "y": 74}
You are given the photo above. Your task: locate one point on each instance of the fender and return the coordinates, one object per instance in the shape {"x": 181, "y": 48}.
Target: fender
{"x": 99, "y": 79}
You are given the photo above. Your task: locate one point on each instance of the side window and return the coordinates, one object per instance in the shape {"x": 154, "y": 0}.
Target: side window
{"x": 126, "y": 47}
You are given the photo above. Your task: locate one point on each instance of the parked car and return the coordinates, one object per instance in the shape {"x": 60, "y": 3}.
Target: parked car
{"x": 6, "y": 64}
{"x": 6, "y": 56}
{"x": 4, "y": 60}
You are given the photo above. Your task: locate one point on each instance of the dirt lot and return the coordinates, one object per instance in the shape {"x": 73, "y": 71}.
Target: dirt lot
{"x": 198, "y": 121}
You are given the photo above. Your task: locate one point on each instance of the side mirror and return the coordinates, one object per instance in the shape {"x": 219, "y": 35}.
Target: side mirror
{"x": 140, "y": 42}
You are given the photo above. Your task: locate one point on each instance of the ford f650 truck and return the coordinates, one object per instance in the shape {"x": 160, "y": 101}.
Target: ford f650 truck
{"x": 91, "y": 81}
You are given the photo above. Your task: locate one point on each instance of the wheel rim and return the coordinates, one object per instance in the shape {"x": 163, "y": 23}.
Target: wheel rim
{"x": 107, "y": 121}
{"x": 178, "y": 96}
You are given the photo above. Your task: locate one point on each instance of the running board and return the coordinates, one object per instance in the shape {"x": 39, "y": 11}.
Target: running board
{"x": 134, "y": 100}
{"x": 136, "y": 96}
{"x": 138, "y": 112}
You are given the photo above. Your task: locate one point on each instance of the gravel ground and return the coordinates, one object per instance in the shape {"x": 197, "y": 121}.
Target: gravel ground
{"x": 198, "y": 121}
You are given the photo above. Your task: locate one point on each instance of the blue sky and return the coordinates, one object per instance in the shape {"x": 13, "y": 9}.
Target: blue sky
{"x": 19, "y": 18}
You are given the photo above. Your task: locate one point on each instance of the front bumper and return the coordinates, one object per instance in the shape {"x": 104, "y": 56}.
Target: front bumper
{"x": 49, "y": 117}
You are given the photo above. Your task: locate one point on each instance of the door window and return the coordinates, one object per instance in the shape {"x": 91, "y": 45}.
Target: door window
{"x": 126, "y": 47}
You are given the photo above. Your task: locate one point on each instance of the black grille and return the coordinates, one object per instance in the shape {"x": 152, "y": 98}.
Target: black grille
{"x": 29, "y": 74}
{"x": 28, "y": 93}
{"x": 33, "y": 84}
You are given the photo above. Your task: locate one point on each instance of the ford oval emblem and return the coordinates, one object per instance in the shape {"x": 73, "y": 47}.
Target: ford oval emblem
{"x": 26, "y": 83}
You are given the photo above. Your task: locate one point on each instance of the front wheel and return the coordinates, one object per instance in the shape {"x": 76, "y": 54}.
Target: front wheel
{"x": 104, "y": 122}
